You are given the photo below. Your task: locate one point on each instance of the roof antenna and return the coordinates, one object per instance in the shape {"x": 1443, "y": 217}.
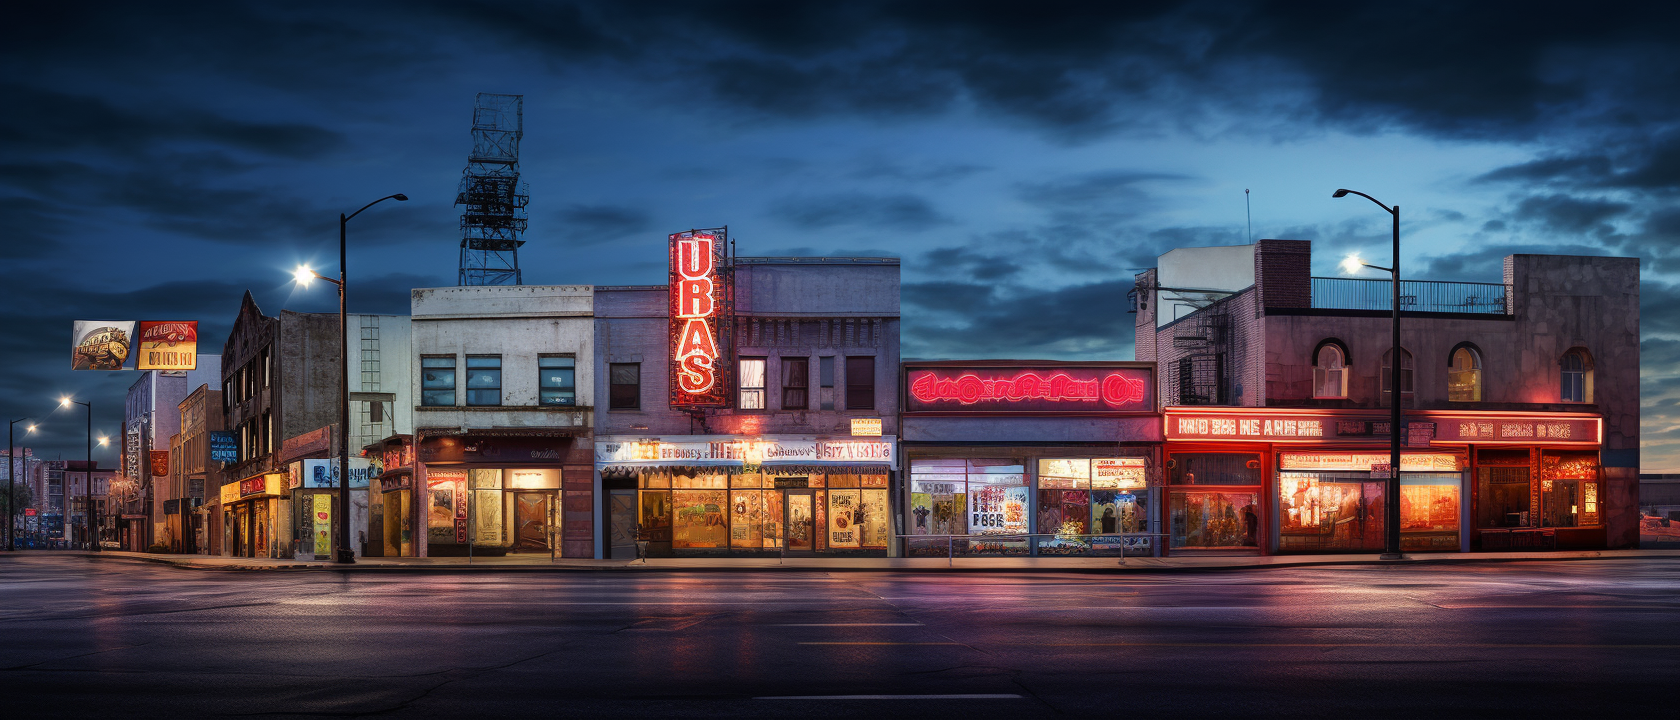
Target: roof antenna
{"x": 1250, "y": 210}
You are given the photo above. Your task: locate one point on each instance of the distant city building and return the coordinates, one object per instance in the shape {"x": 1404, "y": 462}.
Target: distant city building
{"x": 151, "y": 416}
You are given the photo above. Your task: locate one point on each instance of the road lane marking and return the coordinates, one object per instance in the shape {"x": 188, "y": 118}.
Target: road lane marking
{"x": 897, "y": 697}
{"x": 1348, "y": 645}
{"x": 838, "y": 642}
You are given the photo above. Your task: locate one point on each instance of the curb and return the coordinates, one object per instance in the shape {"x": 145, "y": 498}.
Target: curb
{"x": 1116, "y": 569}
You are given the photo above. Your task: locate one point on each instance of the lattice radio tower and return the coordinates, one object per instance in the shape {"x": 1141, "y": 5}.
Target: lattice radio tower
{"x": 491, "y": 199}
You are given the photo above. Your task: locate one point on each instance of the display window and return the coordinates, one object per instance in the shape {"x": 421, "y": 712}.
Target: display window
{"x": 1080, "y": 499}
{"x": 1502, "y": 497}
{"x": 699, "y": 519}
{"x": 446, "y": 507}
{"x": 767, "y": 511}
{"x": 1330, "y": 512}
{"x": 488, "y": 528}
{"x": 1215, "y": 520}
{"x": 1429, "y": 511}
{"x": 1568, "y": 489}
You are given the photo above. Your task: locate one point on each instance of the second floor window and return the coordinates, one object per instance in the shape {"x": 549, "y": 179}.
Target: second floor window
{"x": 860, "y": 383}
{"x": 484, "y": 379}
{"x": 1330, "y": 373}
{"x": 1464, "y": 376}
{"x": 752, "y": 384}
{"x": 437, "y": 381}
{"x": 557, "y": 380}
{"x": 796, "y": 382}
{"x": 1575, "y": 379}
{"x": 626, "y": 386}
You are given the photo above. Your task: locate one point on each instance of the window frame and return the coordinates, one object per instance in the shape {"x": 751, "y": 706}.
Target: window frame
{"x": 543, "y": 388}
{"x": 615, "y": 396}
{"x": 743, "y": 391}
{"x": 802, "y": 376}
{"x": 1474, "y": 371}
{"x": 1320, "y": 371}
{"x": 454, "y": 381}
{"x": 468, "y": 366}
{"x": 1582, "y": 375}
{"x": 856, "y": 390}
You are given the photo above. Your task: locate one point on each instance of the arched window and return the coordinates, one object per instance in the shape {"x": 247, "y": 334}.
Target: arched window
{"x": 1575, "y": 371}
{"x": 1464, "y": 375}
{"x": 1405, "y": 376}
{"x": 1330, "y": 372}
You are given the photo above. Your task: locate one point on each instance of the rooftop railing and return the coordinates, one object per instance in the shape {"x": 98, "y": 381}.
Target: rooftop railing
{"x": 1330, "y": 293}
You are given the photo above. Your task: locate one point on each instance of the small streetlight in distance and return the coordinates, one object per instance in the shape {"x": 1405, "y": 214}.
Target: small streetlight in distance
{"x": 103, "y": 441}
{"x": 11, "y": 479}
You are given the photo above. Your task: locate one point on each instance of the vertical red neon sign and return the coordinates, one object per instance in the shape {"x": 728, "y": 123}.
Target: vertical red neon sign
{"x": 698, "y": 296}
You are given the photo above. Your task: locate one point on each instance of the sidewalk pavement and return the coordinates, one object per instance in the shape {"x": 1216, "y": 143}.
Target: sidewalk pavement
{"x": 542, "y": 563}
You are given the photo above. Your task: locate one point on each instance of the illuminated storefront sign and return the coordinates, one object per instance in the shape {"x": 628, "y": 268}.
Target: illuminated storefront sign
{"x": 729, "y": 450}
{"x": 1364, "y": 462}
{"x": 1422, "y": 429}
{"x": 1126, "y": 472}
{"x": 699, "y": 312}
{"x": 1029, "y": 389}
{"x": 270, "y": 484}
{"x": 866, "y": 427}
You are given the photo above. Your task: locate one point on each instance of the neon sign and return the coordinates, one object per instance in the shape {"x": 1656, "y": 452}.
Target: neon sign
{"x": 1030, "y": 389}
{"x": 699, "y": 301}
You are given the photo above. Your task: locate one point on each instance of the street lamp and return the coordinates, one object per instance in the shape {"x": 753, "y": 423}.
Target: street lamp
{"x": 11, "y": 480}
{"x": 65, "y": 402}
{"x": 304, "y": 275}
{"x": 1391, "y": 505}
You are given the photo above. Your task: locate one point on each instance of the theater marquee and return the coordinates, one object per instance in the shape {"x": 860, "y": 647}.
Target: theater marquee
{"x": 1422, "y": 428}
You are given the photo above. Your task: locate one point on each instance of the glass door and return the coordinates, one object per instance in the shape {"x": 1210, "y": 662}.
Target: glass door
{"x": 530, "y": 512}
{"x": 801, "y": 522}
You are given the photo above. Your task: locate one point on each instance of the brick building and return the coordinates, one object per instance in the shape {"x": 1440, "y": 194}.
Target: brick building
{"x": 1520, "y": 399}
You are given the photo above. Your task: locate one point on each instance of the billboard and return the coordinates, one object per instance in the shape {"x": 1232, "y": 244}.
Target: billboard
{"x": 167, "y": 345}
{"x": 701, "y": 305}
{"x": 1012, "y": 388}
{"x": 101, "y": 344}
{"x": 323, "y": 473}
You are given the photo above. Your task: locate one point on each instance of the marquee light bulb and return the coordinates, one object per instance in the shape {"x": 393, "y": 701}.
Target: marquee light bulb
{"x": 1351, "y": 264}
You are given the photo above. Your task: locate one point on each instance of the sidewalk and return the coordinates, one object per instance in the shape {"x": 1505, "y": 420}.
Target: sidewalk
{"x": 539, "y": 563}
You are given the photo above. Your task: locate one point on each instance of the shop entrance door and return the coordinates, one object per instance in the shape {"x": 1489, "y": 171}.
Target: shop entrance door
{"x": 801, "y": 525}
{"x": 530, "y": 514}
{"x": 621, "y": 524}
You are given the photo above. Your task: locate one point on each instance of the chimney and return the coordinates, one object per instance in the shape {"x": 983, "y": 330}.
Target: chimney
{"x": 1283, "y": 273}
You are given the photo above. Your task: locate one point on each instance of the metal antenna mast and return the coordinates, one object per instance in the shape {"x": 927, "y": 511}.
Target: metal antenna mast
{"x": 491, "y": 199}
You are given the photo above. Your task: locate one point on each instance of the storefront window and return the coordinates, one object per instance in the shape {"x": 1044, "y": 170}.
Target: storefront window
{"x": 1064, "y": 506}
{"x": 997, "y": 505}
{"x": 1215, "y": 520}
{"x": 1502, "y": 497}
{"x": 446, "y": 514}
{"x": 1329, "y": 511}
{"x": 487, "y": 507}
{"x": 1429, "y": 511}
{"x": 700, "y": 520}
{"x": 1568, "y": 489}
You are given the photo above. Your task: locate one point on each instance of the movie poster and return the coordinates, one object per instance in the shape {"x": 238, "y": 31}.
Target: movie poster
{"x": 167, "y": 345}
{"x": 101, "y": 344}
{"x": 446, "y": 501}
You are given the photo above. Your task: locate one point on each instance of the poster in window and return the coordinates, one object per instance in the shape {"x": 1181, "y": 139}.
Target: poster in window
{"x": 701, "y": 519}
{"x": 321, "y": 513}
{"x": 845, "y": 512}
{"x": 997, "y": 509}
{"x": 746, "y": 521}
{"x": 487, "y": 517}
{"x": 446, "y": 501}
{"x": 921, "y": 513}
{"x": 874, "y": 526}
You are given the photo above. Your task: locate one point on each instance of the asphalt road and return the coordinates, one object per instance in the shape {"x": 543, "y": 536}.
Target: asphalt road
{"x": 87, "y": 637}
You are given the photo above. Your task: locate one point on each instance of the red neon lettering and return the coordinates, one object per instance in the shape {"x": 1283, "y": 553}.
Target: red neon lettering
{"x": 694, "y": 298}
{"x": 695, "y": 374}
{"x": 694, "y": 257}
{"x": 969, "y": 389}
{"x": 696, "y": 339}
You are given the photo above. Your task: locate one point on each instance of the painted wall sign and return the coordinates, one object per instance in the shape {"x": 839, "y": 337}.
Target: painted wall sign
{"x": 1422, "y": 429}
{"x": 323, "y": 473}
{"x": 1030, "y": 389}
{"x": 730, "y": 450}
{"x": 168, "y": 345}
{"x": 699, "y": 313}
{"x": 866, "y": 427}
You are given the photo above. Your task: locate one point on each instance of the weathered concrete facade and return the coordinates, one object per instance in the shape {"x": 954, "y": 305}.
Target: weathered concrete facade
{"x": 1268, "y": 337}
{"x": 528, "y": 424}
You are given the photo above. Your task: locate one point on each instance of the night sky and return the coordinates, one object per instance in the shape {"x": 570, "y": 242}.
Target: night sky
{"x": 1024, "y": 159}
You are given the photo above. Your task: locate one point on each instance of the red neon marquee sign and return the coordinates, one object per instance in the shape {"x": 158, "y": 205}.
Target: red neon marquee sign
{"x": 1021, "y": 389}
{"x": 699, "y": 301}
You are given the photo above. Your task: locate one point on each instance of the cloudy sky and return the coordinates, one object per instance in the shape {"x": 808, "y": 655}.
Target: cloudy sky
{"x": 1024, "y": 159}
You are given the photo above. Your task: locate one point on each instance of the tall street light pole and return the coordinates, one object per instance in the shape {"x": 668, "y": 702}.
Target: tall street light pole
{"x": 1391, "y": 491}
{"x": 93, "y": 541}
{"x": 304, "y": 275}
{"x": 11, "y": 481}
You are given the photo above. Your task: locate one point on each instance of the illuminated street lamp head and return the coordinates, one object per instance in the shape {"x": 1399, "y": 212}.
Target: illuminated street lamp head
{"x": 1351, "y": 264}
{"x": 1340, "y": 193}
{"x": 31, "y": 428}
{"x": 399, "y": 197}
{"x": 64, "y": 401}
{"x": 103, "y": 441}
{"x": 303, "y": 275}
